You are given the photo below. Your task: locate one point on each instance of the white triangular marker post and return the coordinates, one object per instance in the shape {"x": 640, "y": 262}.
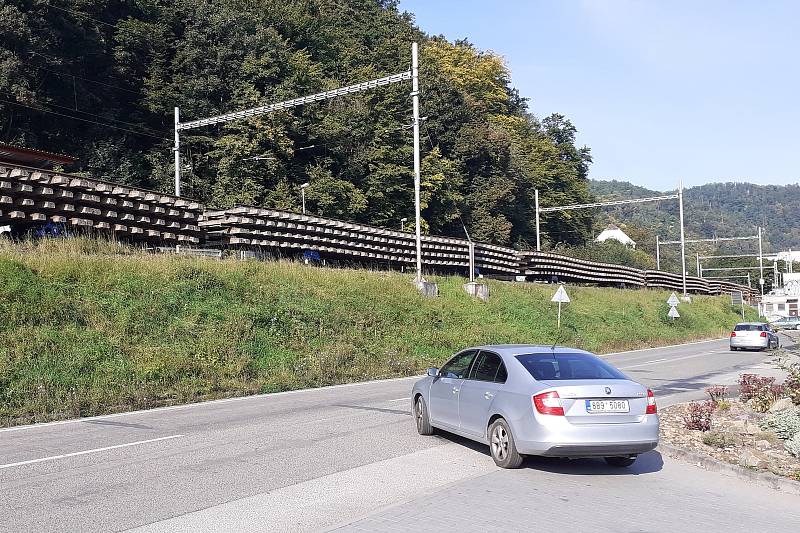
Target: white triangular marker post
{"x": 561, "y": 297}
{"x": 673, "y": 313}
{"x": 673, "y": 300}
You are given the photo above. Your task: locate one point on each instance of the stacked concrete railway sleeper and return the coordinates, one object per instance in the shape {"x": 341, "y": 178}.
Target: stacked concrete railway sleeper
{"x": 253, "y": 228}
{"x": 32, "y": 198}
{"x": 539, "y": 265}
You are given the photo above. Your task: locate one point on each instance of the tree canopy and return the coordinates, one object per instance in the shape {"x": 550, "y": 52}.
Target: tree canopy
{"x": 99, "y": 79}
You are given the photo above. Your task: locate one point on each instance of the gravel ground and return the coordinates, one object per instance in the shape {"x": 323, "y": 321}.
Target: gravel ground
{"x": 734, "y": 437}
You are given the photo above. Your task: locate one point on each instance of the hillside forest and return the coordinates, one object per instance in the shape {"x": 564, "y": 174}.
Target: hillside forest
{"x": 98, "y": 79}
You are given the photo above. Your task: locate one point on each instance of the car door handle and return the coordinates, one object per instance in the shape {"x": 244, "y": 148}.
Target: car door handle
{"x": 455, "y": 390}
{"x": 488, "y": 395}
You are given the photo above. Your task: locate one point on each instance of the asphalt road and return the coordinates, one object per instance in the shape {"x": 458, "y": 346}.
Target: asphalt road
{"x": 349, "y": 457}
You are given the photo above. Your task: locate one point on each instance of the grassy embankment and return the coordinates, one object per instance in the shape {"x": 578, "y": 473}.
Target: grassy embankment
{"x": 89, "y": 328}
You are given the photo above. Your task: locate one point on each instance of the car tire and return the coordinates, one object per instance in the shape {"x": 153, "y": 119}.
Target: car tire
{"x": 620, "y": 462}
{"x": 733, "y": 349}
{"x": 502, "y": 446}
{"x": 421, "y": 417}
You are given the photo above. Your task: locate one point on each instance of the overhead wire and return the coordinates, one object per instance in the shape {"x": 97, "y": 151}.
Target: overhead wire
{"x": 84, "y": 120}
{"x": 58, "y": 72}
{"x": 83, "y": 15}
{"x": 99, "y": 116}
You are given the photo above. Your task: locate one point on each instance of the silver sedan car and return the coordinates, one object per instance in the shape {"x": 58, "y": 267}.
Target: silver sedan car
{"x": 538, "y": 400}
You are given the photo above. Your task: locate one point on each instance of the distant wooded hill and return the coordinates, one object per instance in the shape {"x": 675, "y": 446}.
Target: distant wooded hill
{"x": 721, "y": 209}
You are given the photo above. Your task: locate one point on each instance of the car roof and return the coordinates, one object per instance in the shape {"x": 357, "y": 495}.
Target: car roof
{"x": 751, "y": 324}
{"x": 520, "y": 349}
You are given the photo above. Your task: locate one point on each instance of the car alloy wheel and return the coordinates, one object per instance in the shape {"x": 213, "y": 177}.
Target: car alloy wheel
{"x": 502, "y": 446}
{"x": 500, "y": 443}
{"x": 421, "y": 417}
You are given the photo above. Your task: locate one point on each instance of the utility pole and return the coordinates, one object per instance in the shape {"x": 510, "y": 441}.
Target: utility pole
{"x": 592, "y": 205}
{"x": 303, "y": 195}
{"x": 177, "y": 149}
{"x": 417, "y": 178}
{"x": 775, "y": 275}
{"x": 293, "y": 102}
{"x": 536, "y": 201}
{"x": 683, "y": 238}
{"x": 658, "y": 254}
{"x": 760, "y": 262}
{"x": 697, "y": 256}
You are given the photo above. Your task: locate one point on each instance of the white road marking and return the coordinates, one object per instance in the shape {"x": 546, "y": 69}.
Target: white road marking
{"x": 400, "y": 399}
{"x": 202, "y": 404}
{"x": 85, "y": 452}
{"x": 669, "y": 359}
{"x": 662, "y": 347}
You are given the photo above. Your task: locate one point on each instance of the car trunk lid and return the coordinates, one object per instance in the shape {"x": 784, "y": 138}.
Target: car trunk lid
{"x": 577, "y": 397}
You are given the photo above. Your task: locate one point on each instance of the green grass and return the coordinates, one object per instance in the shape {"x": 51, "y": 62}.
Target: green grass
{"x": 88, "y": 327}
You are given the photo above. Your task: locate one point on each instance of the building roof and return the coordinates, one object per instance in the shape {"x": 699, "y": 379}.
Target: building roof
{"x": 614, "y": 233}
{"x": 20, "y": 155}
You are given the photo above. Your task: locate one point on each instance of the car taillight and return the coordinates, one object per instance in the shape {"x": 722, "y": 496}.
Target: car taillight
{"x": 651, "y": 403}
{"x": 763, "y": 333}
{"x": 548, "y": 403}
{"x": 733, "y": 333}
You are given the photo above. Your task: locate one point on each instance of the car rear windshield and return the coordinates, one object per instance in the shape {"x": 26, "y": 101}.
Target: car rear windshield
{"x": 748, "y": 327}
{"x": 560, "y": 366}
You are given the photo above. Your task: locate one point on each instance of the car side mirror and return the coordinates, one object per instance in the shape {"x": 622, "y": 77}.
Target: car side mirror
{"x": 433, "y": 372}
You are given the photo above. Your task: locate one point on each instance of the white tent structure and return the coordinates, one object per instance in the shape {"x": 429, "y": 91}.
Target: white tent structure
{"x": 614, "y": 233}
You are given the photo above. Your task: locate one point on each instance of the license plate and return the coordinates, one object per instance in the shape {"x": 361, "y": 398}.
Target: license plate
{"x": 607, "y": 406}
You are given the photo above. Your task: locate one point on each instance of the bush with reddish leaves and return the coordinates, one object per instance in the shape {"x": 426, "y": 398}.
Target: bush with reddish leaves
{"x": 717, "y": 392}
{"x": 752, "y": 385}
{"x": 792, "y": 383}
{"x": 760, "y": 391}
{"x": 698, "y": 415}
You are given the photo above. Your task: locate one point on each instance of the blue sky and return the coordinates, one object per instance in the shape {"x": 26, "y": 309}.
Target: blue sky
{"x": 660, "y": 90}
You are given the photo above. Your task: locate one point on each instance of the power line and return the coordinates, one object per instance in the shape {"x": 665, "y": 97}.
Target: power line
{"x": 85, "y": 79}
{"x": 84, "y": 120}
{"x": 428, "y": 134}
{"x": 79, "y": 14}
{"x": 100, "y": 116}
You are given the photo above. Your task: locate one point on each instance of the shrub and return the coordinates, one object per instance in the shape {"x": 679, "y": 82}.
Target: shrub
{"x": 720, "y": 439}
{"x": 785, "y": 424}
{"x": 765, "y": 397}
{"x": 698, "y": 415}
{"x": 717, "y": 393}
{"x": 750, "y": 385}
{"x": 792, "y": 383}
{"x": 793, "y": 445}
{"x": 723, "y": 405}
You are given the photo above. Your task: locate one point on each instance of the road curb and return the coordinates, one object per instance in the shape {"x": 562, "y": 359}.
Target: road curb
{"x": 766, "y": 479}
